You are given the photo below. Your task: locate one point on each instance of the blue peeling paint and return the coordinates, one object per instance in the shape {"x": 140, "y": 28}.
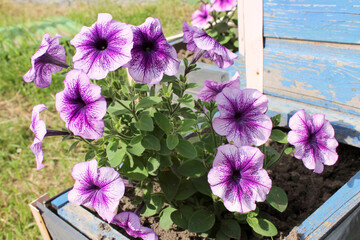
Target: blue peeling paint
{"x": 326, "y": 20}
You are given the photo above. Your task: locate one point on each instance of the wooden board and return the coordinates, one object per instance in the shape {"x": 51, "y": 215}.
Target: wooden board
{"x": 38, "y": 218}
{"x": 325, "y": 20}
{"x": 333, "y": 211}
{"x": 324, "y": 75}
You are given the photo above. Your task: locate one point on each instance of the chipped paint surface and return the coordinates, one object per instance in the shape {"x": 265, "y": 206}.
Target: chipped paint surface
{"x": 320, "y": 74}
{"x": 330, "y": 21}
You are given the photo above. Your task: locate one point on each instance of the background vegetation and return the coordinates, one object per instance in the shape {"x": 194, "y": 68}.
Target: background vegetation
{"x": 19, "y": 180}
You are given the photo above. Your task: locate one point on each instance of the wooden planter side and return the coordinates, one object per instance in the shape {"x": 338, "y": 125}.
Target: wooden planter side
{"x": 83, "y": 220}
{"x": 335, "y": 210}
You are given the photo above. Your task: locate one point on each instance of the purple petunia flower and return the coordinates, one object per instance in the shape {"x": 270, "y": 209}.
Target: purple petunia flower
{"x": 48, "y": 59}
{"x": 39, "y": 128}
{"x": 314, "y": 141}
{"x": 212, "y": 88}
{"x": 201, "y": 17}
{"x": 223, "y": 5}
{"x": 238, "y": 177}
{"x": 103, "y": 47}
{"x": 100, "y": 189}
{"x": 81, "y": 105}
{"x": 242, "y": 116}
{"x": 152, "y": 55}
{"x": 199, "y": 41}
{"x": 131, "y": 223}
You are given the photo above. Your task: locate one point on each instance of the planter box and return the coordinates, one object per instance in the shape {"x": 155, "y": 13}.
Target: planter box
{"x": 338, "y": 216}
{"x": 64, "y": 220}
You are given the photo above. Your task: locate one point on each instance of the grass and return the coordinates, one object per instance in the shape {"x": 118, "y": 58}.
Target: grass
{"x": 19, "y": 180}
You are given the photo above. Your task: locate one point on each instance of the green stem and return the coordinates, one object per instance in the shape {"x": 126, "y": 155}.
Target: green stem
{"x": 271, "y": 163}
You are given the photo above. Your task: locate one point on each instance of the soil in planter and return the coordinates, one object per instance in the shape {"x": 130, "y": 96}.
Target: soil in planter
{"x": 306, "y": 191}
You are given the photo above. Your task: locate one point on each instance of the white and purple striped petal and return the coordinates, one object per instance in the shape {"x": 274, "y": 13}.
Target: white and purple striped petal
{"x": 81, "y": 105}
{"x": 223, "y": 5}
{"x": 198, "y": 40}
{"x": 242, "y": 116}
{"x": 39, "y": 128}
{"x": 152, "y": 55}
{"x": 48, "y": 59}
{"x": 314, "y": 140}
{"x": 103, "y": 47}
{"x": 212, "y": 88}
{"x": 100, "y": 189}
{"x": 238, "y": 177}
{"x": 131, "y": 223}
{"x": 201, "y": 17}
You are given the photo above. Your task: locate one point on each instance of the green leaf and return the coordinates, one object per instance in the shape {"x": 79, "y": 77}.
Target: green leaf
{"x": 222, "y": 27}
{"x": 164, "y": 150}
{"x": 154, "y": 205}
{"x": 111, "y": 149}
{"x": 277, "y": 198}
{"x": 186, "y": 190}
{"x": 181, "y": 217}
{"x": 153, "y": 165}
{"x": 165, "y": 218}
{"x": 89, "y": 155}
{"x": 192, "y": 85}
{"x": 141, "y": 87}
{"x": 276, "y": 120}
{"x": 73, "y": 146}
{"x": 221, "y": 236}
{"x": 240, "y": 217}
{"x": 163, "y": 122}
{"x": 288, "y": 150}
{"x": 169, "y": 184}
{"x": 187, "y": 100}
{"x": 139, "y": 172}
{"x": 117, "y": 158}
{"x": 186, "y": 149}
{"x": 231, "y": 228}
{"x": 165, "y": 161}
{"x": 117, "y": 109}
{"x": 145, "y": 123}
{"x": 172, "y": 141}
{"x": 262, "y": 226}
{"x": 278, "y": 136}
{"x": 192, "y": 168}
{"x": 136, "y": 149}
{"x": 201, "y": 221}
{"x": 151, "y": 142}
{"x": 201, "y": 184}
{"x": 187, "y": 125}
{"x": 147, "y": 102}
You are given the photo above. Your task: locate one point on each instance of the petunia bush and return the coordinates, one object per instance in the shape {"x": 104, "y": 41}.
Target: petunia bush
{"x": 218, "y": 19}
{"x": 199, "y": 162}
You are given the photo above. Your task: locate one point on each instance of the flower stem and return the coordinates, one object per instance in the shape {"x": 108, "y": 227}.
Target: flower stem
{"x": 50, "y": 133}
{"x": 271, "y": 163}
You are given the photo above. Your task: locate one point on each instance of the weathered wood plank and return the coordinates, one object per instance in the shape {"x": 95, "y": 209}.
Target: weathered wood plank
{"x": 88, "y": 224}
{"x": 253, "y": 33}
{"x": 333, "y": 211}
{"x": 325, "y": 75}
{"x": 326, "y": 20}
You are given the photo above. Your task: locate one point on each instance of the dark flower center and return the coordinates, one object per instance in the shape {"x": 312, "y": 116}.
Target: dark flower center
{"x": 101, "y": 44}
{"x": 238, "y": 117}
{"x": 236, "y": 176}
{"x": 204, "y": 16}
{"x": 148, "y": 46}
{"x": 312, "y": 139}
